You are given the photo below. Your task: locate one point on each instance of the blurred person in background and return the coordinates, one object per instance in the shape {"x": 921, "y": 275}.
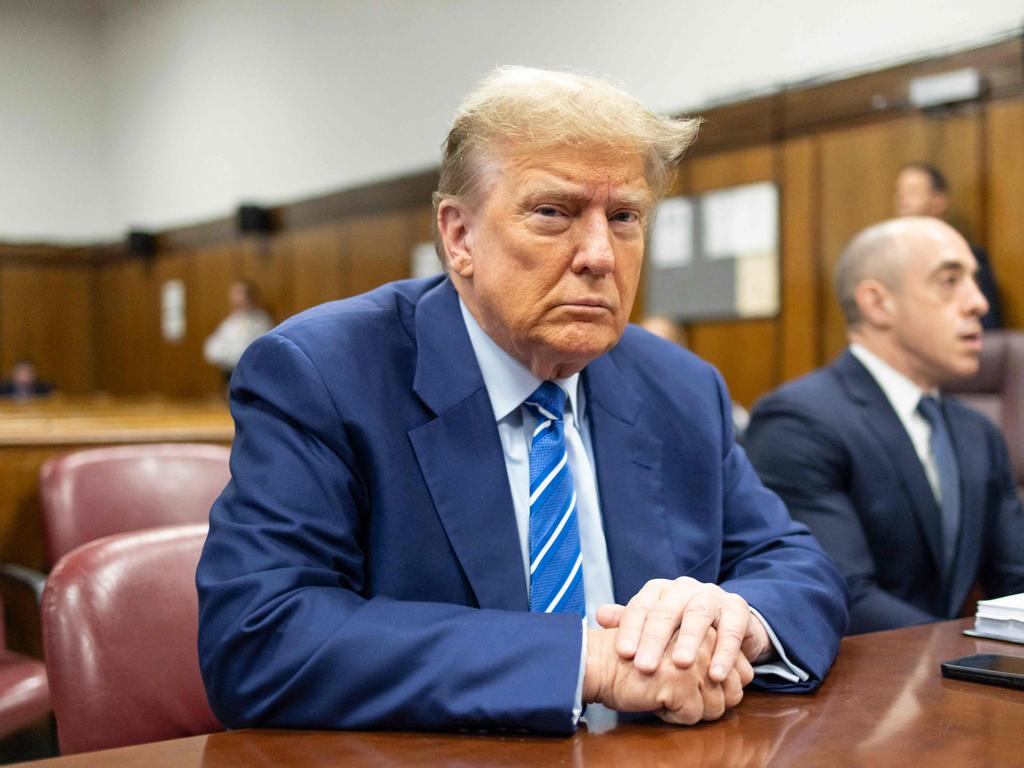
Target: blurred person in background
{"x": 246, "y": 323}
{"x": 24, "y": 383}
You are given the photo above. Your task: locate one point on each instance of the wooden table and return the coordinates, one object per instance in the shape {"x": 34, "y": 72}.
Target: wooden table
{"x": 884, "y": 704}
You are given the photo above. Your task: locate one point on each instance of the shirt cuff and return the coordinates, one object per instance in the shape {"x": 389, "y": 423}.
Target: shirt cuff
{"x": 781, "y": 667}
{"x": 577, "y": 709}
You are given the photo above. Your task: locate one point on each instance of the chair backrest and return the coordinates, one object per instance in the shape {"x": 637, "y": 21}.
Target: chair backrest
{"x": 120, "y": 620}
{"x": 100, "y": 491}
{"x": 997, "y": 390}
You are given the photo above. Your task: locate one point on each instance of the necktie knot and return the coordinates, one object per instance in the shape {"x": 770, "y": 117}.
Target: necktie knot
{"x": 929, "y": 408}
{"x": 547, "y": 401}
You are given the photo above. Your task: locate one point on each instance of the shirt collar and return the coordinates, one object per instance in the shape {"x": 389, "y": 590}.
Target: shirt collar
{"x": 508, "y": 381}
{"x": 903, "y": 394}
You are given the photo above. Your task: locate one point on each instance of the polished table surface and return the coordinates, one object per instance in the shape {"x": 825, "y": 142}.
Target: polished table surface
{"x": 884, "y": 703}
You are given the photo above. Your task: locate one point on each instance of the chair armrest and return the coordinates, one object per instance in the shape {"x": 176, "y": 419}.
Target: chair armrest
{"x": 24, "y": 577}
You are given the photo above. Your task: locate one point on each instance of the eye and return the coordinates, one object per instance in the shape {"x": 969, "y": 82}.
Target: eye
{"x": 549, "y": 211}
{"x": 626, "y": 217}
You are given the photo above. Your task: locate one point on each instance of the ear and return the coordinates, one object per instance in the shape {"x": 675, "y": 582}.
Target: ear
{"x": 876, "y": 303}
{"x": 454, "y": 220}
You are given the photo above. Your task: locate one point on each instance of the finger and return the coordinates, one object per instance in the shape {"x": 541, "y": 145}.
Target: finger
{"x": 744, "y": 669}
{"x": 662, "y": 622}
{"x": 732, "y": 689}
{"x": 733, "y": 621}
{"x": 634, "y": 616}
{"x": 714, "y": 702}
{"x": 699, "y": 614}
{"x": 609, "y": 615}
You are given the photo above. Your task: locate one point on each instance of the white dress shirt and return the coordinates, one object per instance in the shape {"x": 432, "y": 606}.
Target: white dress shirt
{"x": 509, "y": 383}
{"x": 904, "y": 395}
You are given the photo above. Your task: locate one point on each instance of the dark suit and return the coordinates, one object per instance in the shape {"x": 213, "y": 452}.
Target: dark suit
{"x": 363, "y": 567}
{"x": 833, "y": 447}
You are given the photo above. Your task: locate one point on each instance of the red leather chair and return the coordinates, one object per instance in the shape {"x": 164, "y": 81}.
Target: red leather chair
{"x": 100, "y": 491}
{"x": 997, "y": 390}
{"x": 24, "y": 695}
{"x": 120, "y": 618}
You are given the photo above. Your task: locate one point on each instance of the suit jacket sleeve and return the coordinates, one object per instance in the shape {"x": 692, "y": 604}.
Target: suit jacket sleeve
{"x": 1002, "y": 570}
{"x": 801, "y": 460}
{"x": 779, "y": 569}
{"x": 287, "y": 636}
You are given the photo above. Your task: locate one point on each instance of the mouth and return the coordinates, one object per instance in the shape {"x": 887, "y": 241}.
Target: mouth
{"x": 972, "y": 339}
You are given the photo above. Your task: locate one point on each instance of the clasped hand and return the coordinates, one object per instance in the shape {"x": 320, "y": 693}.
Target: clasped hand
{"x": 682, "y": 649}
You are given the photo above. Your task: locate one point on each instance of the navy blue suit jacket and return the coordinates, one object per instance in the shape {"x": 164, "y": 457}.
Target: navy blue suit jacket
{"x": 833, "y": 447}
{"x": 363, "y": 567}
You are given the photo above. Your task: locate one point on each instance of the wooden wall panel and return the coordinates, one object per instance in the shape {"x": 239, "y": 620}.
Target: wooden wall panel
{"x": 46, "y": 314}
{"x": 318, "y": 259}
{"x": 380, "y": 249}
{"x": 746, "y": 352}
{"x": 128, "y": 328}
{"x": 1005, "y": 187}
{"x": 265, "y": 261}
{"x": 799, "y": 322}
{"x": 174, "y": 359}
{"x": 211, "y": 272}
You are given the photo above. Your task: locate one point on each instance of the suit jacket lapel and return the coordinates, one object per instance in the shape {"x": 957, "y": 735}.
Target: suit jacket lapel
{"x": 627, "y": 462}
{"x": 460, "y": 455}
{"x": 878, "y": 414}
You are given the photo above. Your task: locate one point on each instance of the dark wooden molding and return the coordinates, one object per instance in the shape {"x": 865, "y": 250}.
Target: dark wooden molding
{"x": 874, "y": 96}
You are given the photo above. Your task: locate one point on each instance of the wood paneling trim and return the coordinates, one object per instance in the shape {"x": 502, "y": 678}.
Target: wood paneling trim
{"x": 873, "y": 96}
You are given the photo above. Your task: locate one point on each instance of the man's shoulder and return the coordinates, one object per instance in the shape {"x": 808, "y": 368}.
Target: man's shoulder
{"x": 384, "y": 311}
{"x": 650, "y": 353}
{"x": 819, "y": 392}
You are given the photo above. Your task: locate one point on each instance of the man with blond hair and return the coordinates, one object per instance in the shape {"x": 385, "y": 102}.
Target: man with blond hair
{"x": 479, "y": 500}
{"x": 908, "y": 490}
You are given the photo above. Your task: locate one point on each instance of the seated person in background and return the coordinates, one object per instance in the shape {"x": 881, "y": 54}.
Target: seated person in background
{"x": 246, "y": 323}
{"x": 922, "y": 190}
{"x": 441, "y": 488}
{"x": 910, "y": 491}
{"x": 24, "y": 382}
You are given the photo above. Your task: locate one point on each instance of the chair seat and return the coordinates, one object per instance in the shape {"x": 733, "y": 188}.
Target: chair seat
{"x": 24, "y": 695}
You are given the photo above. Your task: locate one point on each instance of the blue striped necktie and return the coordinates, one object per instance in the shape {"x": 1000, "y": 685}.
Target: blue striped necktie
{"x": 941, "y": 446}
{"x": 556, "y": 562}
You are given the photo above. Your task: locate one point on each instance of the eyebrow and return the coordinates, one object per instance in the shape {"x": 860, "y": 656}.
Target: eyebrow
{"x": 951, "y": 264}
{"x": 573, "y": 193}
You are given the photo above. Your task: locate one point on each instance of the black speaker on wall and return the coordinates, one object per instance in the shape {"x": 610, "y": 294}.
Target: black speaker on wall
{"x": 141, "y": 244}
{"x": 253, "y": 218}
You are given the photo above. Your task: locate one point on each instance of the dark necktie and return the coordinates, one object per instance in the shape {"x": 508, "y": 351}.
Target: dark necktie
{"x": 941, "y": 446}
{"x": 556, "y": 561}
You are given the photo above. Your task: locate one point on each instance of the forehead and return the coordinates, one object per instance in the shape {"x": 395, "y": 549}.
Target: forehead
{"x": 914, "y": 177}
{"x": 937, "y": 248}
{"x": 596, "y": 172}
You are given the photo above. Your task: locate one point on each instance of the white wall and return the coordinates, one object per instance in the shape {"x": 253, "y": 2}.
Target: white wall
{"x": 54, "y": 170}
{"x": 211, "y": 102}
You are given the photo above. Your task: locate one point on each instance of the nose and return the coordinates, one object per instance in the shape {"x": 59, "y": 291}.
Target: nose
{"x": 977, "y": 304}
{"x": 594, "y": 252}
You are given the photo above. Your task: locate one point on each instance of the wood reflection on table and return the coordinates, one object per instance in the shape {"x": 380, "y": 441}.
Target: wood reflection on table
{"x": 884, "y": 703}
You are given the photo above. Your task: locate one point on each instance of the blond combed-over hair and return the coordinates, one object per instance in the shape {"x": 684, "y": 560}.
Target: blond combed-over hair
{"x": 522, "y": 110}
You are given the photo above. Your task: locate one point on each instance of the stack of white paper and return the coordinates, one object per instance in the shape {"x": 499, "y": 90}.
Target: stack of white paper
{"x": 1002, "y": 618}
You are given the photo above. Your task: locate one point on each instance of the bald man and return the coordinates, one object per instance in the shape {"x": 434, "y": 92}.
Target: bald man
{"x": 909, "y": 491}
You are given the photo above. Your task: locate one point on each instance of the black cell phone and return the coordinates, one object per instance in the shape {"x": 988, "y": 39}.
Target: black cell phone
{"x": 991, "y": 668}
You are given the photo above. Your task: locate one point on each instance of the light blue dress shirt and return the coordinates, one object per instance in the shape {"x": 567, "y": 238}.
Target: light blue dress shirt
{"x": 509, "y": 383}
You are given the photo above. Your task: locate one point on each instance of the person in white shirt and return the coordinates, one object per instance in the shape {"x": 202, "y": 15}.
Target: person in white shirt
{"x": 246, "y": 323}
{"x": 909, "y": 491}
